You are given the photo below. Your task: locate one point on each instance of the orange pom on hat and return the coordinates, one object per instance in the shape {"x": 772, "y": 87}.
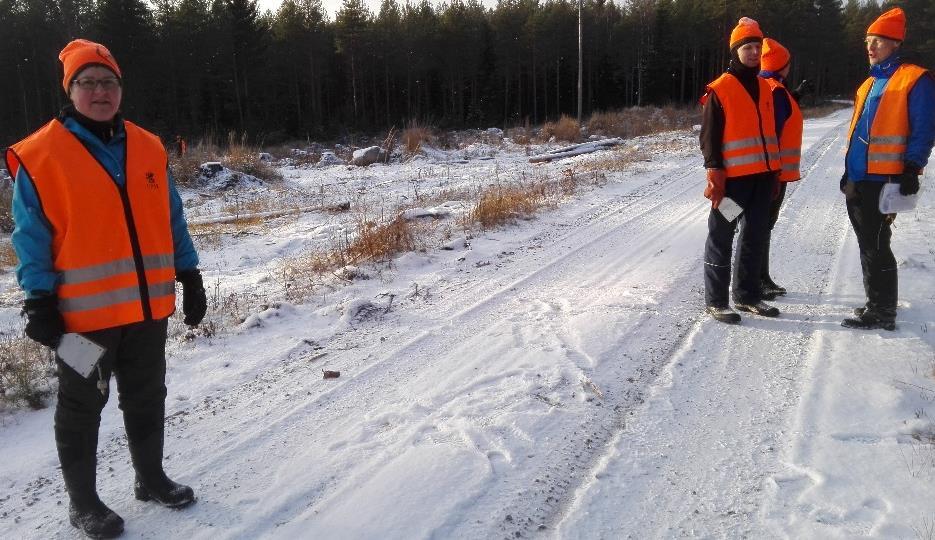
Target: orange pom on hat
{"x": 774, "y": 56}
{"x": 81, "y": 53}
{"x": 747, "y": 30}
{"x": 891, "y": 24}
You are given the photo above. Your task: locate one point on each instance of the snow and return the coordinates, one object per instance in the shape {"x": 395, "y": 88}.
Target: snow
{"x": 555, "y": 377}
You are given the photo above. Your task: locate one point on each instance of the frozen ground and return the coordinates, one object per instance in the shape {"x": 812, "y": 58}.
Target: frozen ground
{"x": 552, "y": 379}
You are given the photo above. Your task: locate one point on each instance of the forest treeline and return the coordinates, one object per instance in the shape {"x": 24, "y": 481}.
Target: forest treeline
{"x": 193, "y": 67}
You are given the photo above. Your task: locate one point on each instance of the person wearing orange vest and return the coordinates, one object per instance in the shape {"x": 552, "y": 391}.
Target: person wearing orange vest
{"x": 775, "y": 64}
{"x": 101, "y": 239}
{"x": 891, "y": 135}
{"x": 741, "y": 155}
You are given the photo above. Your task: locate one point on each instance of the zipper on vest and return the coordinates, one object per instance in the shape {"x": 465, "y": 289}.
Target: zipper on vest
{"x": 135, "y": 244}
{"x": 759, "y": 118}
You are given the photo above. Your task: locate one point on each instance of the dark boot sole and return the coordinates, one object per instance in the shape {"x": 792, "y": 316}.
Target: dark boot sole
{"x": 861, "y": 325}
{"x": 142, "y": 495}
{"x": 109, "y": 534}
{"x": 772, "y": 313}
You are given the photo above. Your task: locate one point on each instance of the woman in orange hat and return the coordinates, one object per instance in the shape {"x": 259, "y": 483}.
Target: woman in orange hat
{"x": 101, "y": 239}
{"x": 775, "y": 64}
{"x": 741, "y": 155}
{"x": 891, "y": 136}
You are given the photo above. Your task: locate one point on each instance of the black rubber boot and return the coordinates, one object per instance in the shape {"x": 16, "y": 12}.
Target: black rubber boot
{"x": 872, "y": 318}
{"x": 723, "y": 314}
{"x": 145, "y": 433}
{"x": 77, "y": 452}
{"x": 770, "y": 289}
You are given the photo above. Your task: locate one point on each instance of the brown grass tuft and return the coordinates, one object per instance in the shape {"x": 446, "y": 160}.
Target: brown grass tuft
{"x": 823, "y": 109}
{"x": 380, "y": 242}
{"x": 414, "y": 136}
{"x": 500, "y": 205}
{"x": 637, "y": 121}
{"x": 24, "y": 371}
{"x": 237, "y": 156}
{"x": 566, "y": 129}
{"x": 7, "y": 254}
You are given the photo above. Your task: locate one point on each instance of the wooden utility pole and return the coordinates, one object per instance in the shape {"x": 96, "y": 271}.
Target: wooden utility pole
{"x": 580, "y": 62}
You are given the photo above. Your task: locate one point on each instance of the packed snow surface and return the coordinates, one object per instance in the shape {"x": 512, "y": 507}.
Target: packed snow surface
{"x": 555, "y": 378}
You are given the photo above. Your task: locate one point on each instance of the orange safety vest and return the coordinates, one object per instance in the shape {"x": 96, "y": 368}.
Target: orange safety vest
{"x": 750, "y": 145}
{"x": 112, "y": 246}
{"x": 889, "y": 130}
{"x": 790, "y": 140}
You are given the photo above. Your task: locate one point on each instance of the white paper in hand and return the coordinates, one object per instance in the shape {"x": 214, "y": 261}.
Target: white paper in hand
{"x": 729, "y": 209}
{"x": 80, "y": 353}
{"x": 893, "y": 202}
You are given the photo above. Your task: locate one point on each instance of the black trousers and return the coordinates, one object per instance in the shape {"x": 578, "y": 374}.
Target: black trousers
{"x": 774, "y": 208}
{"x": 873, "y": 238}
{"x": 136, "y": 356}
{"x": 753, "y": 193}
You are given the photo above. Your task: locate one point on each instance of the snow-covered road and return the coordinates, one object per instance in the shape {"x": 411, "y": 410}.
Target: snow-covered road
{"x": 554, "y": 379}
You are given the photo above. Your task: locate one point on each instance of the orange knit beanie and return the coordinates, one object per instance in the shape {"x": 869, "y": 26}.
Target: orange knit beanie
{"x": 81, "y": 53}
{"x": 891, "y": 24}
{"x": 774, "y": 57}
{"x": 747, "y": 30}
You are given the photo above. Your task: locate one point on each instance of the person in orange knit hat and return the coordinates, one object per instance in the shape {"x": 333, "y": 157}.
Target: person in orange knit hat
{"x": 775, "y": 64}
{"x": 98, "y": 260}
{"x": 891, "y": 136}
{"x": 741, "y": 157}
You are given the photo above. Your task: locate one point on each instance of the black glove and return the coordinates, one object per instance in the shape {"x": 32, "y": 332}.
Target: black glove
{"x": 44, "y": 323}
{"x": 909, "y": 179}
{"x": 805, "y": 87}
{"x": 843, "y": 181}
{"x": 194, "y": 301}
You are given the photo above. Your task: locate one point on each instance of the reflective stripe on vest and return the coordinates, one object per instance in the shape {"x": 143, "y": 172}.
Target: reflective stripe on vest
{"x": 889, "y": 129}
{"x": 790, "y": 140}
{"x": 749, "y": 145}
{"x": 111, "y": 246}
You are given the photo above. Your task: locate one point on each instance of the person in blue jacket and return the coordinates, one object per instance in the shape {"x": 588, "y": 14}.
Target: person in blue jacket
{"x": 82, "y": 151}
{"x": 892, "y": 134}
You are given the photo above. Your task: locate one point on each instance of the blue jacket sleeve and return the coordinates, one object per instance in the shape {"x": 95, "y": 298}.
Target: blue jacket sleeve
{"x": 32, "y": 240}
{"x": 186, "y": 258}
{"x": 921, "y": 121}
{"x": 782, "y": 109}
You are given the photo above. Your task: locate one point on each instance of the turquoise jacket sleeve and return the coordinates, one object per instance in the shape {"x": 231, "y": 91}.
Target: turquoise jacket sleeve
{"x": 32, "y": 240}
{"x": 186, "y": 258}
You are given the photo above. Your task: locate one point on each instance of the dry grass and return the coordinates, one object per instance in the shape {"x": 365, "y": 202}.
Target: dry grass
{"x": 823, "y": 109}
{"x": 236, "y": 156}
{"x": 25, "y": 371}
{"x": 566, "y": 129}
{"x": 520, "y": 135}
{"x": 413, "y": 137}
{"x": 637, "y": 121}
{"x": 381, "y": 241}
{"x": 6, "y": 209}
{"x": 620, "y": 159}
{"x": 7, "y": 254}
{"x": 499, "y": 205}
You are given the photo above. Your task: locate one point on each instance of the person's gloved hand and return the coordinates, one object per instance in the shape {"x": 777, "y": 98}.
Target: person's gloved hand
{"x": 194, "y": 300}
{"x": 843, "y": 181}
{"x": 44, "y": 323}
{"x": 717, "y": 186}
{"x": 909, "y": 179}
{"x": 803, "y": 89}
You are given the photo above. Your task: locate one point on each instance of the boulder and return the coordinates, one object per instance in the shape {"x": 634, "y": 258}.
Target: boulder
{"x": 329, "y": 159}
{"x": 265, "y": 157}
{"x": 211, "y": 168}
{"x": 366, "y": 156}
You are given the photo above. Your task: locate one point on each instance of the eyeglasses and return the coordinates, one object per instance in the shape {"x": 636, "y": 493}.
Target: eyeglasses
{"x": 108, "y": 84}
